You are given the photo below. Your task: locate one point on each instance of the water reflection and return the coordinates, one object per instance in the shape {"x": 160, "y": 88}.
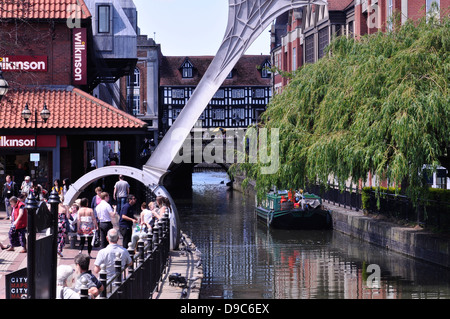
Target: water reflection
{"x": 244, "y": 259}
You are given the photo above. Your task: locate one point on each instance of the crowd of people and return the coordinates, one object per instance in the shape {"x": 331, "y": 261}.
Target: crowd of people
{"x": 91, "y": 220}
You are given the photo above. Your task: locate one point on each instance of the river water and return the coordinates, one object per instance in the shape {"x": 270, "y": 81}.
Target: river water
{"x": 242, "y": 258}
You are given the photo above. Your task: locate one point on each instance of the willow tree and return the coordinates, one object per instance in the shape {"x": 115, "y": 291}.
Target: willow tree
{"x": 379, "y": 104}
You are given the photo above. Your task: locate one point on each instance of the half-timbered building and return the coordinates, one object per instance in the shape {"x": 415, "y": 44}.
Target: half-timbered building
{"x": 237, "y": 104}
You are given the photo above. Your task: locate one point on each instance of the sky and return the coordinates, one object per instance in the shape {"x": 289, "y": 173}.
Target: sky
{"x": 190, "y": 27}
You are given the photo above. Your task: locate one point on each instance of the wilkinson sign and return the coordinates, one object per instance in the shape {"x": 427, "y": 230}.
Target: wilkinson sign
{"x": 17, "y": 141}
{"x": 24, "y": 63}
{"x": 79, "y": 57}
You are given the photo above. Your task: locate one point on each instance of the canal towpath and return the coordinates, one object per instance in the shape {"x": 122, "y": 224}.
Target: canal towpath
{"x": 182, "y": 262}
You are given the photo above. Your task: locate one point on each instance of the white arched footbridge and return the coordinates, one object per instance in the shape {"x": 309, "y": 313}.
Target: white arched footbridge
{"x": 247, "y": 19}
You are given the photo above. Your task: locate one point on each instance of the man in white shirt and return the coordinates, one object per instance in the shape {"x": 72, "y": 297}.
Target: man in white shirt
{"x": 105, "y": 213}
{"x": 107, "y": 255}
{"x": 64, "y": 278}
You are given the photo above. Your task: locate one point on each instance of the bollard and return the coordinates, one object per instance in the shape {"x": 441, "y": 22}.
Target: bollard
{"x": 131, "y": 252}
{"x": 103, "y": 277}
{"x": 84, "y": 290}
{"x": 118, "y": 269}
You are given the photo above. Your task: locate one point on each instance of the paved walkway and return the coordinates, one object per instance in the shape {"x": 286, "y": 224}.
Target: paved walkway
{"x": 180, "y": 262}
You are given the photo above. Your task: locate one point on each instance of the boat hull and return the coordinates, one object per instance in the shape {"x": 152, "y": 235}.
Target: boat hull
{"x": 295, "y": 218}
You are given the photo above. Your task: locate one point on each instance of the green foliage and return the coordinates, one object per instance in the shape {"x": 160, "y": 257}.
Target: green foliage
{"x": 379, "y": 104}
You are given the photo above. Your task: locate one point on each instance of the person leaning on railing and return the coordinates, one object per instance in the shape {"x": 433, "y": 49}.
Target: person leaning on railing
{"x": 107, "y": 255}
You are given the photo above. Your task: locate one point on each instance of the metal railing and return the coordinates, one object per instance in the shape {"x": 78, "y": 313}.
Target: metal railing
{"x": 347, "y": 197}
{"x": 141, "y": 279}
{"x": 431, "y": 213}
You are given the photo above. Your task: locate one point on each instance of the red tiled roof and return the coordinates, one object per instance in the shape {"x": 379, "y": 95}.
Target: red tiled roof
{"x": 70, "y": 108}
{"x": 339, "y": 5}
{"x": 42, "y": 9}
{"x": 245, "y": 71}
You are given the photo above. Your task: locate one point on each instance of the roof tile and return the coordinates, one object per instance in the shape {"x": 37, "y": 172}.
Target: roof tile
{"x": 42, "y": 9}
{"x": 70, "y": 108}
{"x": 245, "y": 71}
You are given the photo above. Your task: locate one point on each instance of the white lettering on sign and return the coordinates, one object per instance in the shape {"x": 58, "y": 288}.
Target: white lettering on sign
{"x": 24, "y": 63}
{"x": 5, "y": 141}
{"x": 79, "y": 57}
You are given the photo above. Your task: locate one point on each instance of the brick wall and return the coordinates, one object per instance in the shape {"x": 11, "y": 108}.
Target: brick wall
{"x": 39, "y": 39}
{"x": 415, "y": 10}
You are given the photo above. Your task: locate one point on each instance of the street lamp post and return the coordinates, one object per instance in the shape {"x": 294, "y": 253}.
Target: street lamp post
{"x": 54, "y": 201}
{"x": 3, "y": 85}
{"x": 45, "y": 115}
{"x": 32, "y": 207}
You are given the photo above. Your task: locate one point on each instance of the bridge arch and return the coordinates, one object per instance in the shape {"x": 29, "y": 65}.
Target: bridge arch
{"x": 140, "y": 175}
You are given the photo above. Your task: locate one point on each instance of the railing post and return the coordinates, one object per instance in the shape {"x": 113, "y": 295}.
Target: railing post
{"x": 84, "y": 294}
{"x": 155, "y": 257}
{"x": 131, "y": 252}
{"x": 118, "y": 270}
{"x": 140, "y": 246}
{"x": 104, "y": 280}
{"x": 156, "y": 235}
{"x": 150, "y": 242}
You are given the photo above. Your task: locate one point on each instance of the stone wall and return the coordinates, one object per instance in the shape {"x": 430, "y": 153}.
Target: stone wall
{"x": 416, "y": 243}
{"x": 412, "y": 242}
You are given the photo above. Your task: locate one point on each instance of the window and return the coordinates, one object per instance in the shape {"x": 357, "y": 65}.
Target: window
{"x": 104, "y": 24}
{"x": 178, "y": 93}
{"x": 175, "y": 113}
{"x": 277, "y": 61}
{"x": 218, "y": 114}
{"x": 259, "y": 93}
{"x": 134, "y": 79}
{"x": 238, "y": 115}
{"x": 238, "y": 94}
{"x": 220, "y": 94}
{"x": 186, "y": 69}
{"x": 309, "y": 49}
{"x": 350, "y": 29}
{"x": 389, "y": 15}
{"x": 294, "y": 59}
{"x": 323, "y": 41}
{"x": 134, "y": 104}
{"x": 133, "y": 94}
{"x": 265, "y": 71}
{"x": 433, "y": 9}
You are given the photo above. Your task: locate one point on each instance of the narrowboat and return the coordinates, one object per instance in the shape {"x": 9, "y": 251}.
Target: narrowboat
{"x": 287, "y": 211}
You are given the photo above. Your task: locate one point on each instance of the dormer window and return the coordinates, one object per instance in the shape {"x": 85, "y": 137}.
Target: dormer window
{"x": 187, "y": 69}
{"x": 230, "y": 75}
{"x": 265, "y": 69}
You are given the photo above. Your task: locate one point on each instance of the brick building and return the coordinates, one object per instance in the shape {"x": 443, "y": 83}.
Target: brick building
{"x": 300, "y": 35}
{"x": 140, "y": 90}
{"x": 48, "y": 57}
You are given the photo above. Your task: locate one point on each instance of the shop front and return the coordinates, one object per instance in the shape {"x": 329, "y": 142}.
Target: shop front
{"x": 32, "y": 156}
